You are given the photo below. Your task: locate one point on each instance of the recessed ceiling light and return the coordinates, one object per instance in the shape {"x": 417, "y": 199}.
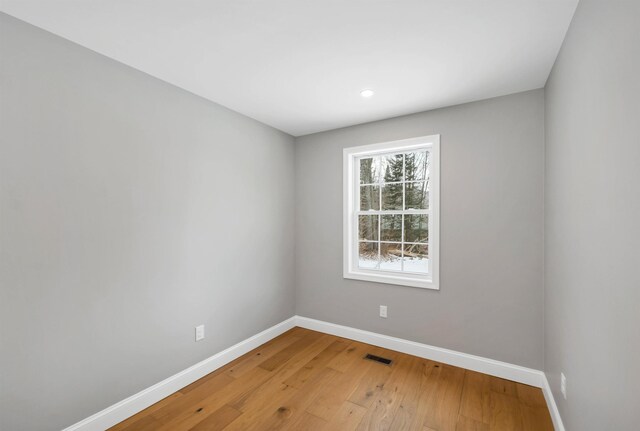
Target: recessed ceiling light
{"x": 367, "y": 93}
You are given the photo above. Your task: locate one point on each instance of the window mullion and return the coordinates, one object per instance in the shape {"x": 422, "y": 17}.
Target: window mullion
{"x": 404, "y": 178}
{"x": 429, "y": 217}
{"x": 379, "y": 242}
{"x": 356, "y": 179}
{"x": 380, "y": 180}
{"x": 394, "y": 212}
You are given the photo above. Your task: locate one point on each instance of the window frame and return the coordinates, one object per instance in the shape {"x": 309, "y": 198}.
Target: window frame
{"x": 351, "y": 185}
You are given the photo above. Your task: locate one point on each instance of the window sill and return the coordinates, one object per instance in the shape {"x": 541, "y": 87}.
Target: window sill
{"x": 390, "y": 279}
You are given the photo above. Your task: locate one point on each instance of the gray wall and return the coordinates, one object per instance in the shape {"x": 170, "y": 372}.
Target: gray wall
{"x": 130, "y": 212}
{"x": 490, "y": 302}
{"x": 592, "y": 218}
{"x": 125, "y": 204}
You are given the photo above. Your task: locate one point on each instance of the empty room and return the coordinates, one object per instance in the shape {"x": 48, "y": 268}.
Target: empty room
{"x": 243, "y": 215}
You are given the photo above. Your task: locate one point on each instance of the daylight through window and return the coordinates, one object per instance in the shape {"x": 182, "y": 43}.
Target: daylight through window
{"x": 390, "y": 220}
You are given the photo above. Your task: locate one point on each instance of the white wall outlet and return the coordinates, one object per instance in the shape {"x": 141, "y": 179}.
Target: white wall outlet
{"x": 199, "y": 332}
{"x": 563, "y": 385}
{"x": 383, "y": 311}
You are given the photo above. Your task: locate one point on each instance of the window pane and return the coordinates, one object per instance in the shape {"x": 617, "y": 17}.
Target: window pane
{"x": 416, "y": 228}
{"x": 415, "y": 165}
{"x": 392, "y": 167}
{"x": 369, "y": 198}
{"x": 392, "y": 197}
{"x": 416, "y": 196}
{"x": 390, "y": 256}
{"x": 368, "y": 255}
{"x": 391, "y": 228}
{"x": 368, "y": 227}
{"x": 370, "y": 170}
{"x": 416, "y": 258}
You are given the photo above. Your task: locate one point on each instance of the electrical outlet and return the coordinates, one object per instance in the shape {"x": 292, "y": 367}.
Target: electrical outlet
{"x": 563, "y": 385}
{"x": 199, "y": 332}
{"x": 383, "y": 311}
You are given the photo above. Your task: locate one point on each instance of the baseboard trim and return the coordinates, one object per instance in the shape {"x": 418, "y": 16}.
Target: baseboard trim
{"x": 143, "y": 399}
{"x": 527, "y": 376}
{"x": 128, "y": 407}
{"x": 551, "y": 403}
{"x": 492, "y": 367}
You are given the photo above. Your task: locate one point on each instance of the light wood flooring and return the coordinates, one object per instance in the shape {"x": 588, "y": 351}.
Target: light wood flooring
{"x": 305, "y": 380}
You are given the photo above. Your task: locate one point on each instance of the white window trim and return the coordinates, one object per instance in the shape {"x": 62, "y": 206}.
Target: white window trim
{"x": 350, "y": 269}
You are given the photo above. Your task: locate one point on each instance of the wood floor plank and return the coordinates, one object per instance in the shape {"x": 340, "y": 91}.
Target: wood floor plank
{"x": 300, "y": 377}
{"x": 372, "y": 382}
{"x": 536, "y": 418}
{"x": 503, "y": 386}
{"x": 259, "y": 408}
{"x": 218, "y": 420}
{"x": 261, "y": 354}
{"x": 505, "y": 413}
{"x": 128, "y": 424}
{"x": 535, "y": 414}
{"x": 411, "y": 391}
{"x": 354, "y": 352}
{"x": 335, "y": 393}
{"x": 239, "y": 366}
{"x": 347, "y": 417}
{"x": 307, "y": 422}
{"x": 285, "y": 354}
{"x": 306, "y": 380}
{"x": 475, "y": 399}
{"x": 428, "y": 385}
{"x": 284, "y": 369}
{"x": 387, "y": 401}
{"x": 188, "y": 414}
{"x": 468, "y": 424}
{"x": 286, "y": 416}
{"x": 182, "y": 405}
{"x": 530, "y": 395}
{"x": 307, "y": 394}
{"x": 445, "y": 399}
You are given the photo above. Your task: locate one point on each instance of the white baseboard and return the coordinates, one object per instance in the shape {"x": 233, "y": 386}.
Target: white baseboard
{"x": 551, "y": 403}
{"x": 140, "y": 401}
{"x": 527, "y": 376}
{"x": 492, "y": 367}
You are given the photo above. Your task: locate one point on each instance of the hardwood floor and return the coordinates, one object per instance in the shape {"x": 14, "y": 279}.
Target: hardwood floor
{"x": 306, "y": 380}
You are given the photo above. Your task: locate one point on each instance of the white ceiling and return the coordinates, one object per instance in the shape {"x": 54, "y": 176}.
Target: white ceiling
{"x": 299, "y": 65}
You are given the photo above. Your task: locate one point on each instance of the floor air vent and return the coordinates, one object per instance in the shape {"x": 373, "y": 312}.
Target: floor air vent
{"x": 382, "y": 360}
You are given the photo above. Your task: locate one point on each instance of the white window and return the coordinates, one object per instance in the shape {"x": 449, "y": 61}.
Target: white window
{"x": 391, "y": 212}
